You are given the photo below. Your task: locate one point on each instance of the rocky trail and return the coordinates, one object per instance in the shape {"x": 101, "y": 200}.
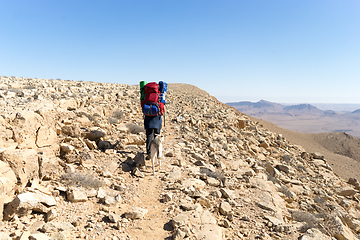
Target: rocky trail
{"x": 72, "y": 167}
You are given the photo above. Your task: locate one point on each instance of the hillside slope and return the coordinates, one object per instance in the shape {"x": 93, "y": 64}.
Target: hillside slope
{"x": 340, "y": 149}
{"x": 340, "y": 143}
{"x": 72, "y": 167}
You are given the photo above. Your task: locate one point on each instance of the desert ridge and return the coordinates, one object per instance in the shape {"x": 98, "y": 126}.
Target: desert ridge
{"x": 72, "y": 167}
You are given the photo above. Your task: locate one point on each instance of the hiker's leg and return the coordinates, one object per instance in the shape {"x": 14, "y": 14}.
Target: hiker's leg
{"x": 156, "y": 132}
{"x": 149, "y": 138}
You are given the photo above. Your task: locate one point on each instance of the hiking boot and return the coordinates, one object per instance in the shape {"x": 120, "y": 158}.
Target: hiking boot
{"x": 147, "y": 157}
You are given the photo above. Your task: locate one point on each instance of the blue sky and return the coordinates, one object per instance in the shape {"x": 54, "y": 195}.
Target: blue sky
{"x": 288, "y": 51}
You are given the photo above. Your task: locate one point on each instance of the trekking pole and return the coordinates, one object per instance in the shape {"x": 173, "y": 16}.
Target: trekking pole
{"x": 164, "y": 116}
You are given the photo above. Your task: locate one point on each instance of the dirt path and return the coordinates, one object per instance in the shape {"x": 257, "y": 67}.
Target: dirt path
{"x": 148, "y": 197}
{"x": 155, "y": 225}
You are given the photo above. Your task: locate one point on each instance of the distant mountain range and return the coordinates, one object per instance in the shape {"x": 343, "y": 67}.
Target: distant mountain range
{"x": 302, "y": 117}
{"x": 266, "y": 107}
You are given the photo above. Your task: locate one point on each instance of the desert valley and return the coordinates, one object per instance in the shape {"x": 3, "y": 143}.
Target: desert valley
{"x": 306, "y": 118}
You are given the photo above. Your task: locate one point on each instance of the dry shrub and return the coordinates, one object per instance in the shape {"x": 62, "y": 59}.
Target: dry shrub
{"x": 18, "y": 92}
{"x": 134, "y": 128}
{"x": 29, "y": 87}
{"x": 113, "y": 120}
{"x": 117, "y": 114}
{"x": 55, "y": 96}
{"x": 285, "y": 190}
{"x": 81, "y": 114}
{"x": 79, "y": 179}
{"x": 308, "y": 218}
{"x": 210, "y": 173}
{"x": 234, "y": 139}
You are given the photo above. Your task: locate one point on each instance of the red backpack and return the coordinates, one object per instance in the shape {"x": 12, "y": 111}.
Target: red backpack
{"x": 151, "y": 105}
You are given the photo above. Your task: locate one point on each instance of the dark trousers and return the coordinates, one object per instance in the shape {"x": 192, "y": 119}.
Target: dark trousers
{"x": 151, "y": 133}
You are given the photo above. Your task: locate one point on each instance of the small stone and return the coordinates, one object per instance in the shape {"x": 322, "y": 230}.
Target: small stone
{"x": 213, "y": 182}
{"x": 90, "y": 144}
{"x": 179, "y": 235}
{"x": 76, "y": 195}
{"x": 353, "y": 181}
{"x": 250, "y": 173}
{"x": 95, "y": 135}
{"x": 314, "y": 234}
{"x": 174, "y": 174}
{"x": 225, "y": 208}
{"x": 226, "y": 193}
{"x": 136, "y": 213}
{"x": 264, "y": 145}
{"x": 51, "y": 215}
{"x": 168, "y": 197}
{"x": 189, "y": 206}
{"x": 204, "y": 202}
{"x": 226, "y": 223}
{"x": 38, "y": 236}
{"x": 283, "y": 168}
{"x": 169, "y": 154}
{"x": 109, "y": 201}
{"x": 66, "y": 148}
{"x": 245, "y": 218}
{"x": 266, "y": 206}
{"x": 179, "y": 220}
{"x": 216, "y": 194}
{"x": 58, "y": 236}
{"x": 317, "y": 155}
{"x": 114, "y": 218}
{"x": 136, "y": 172}
{"x": 346, "y": 192}
{"x": 56, "y": 226}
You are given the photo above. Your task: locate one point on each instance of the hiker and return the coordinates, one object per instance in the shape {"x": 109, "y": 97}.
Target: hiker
{"x": 153, "y": 105}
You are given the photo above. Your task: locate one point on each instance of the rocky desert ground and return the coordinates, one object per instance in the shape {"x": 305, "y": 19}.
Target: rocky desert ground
{"x": 72, "y": 167}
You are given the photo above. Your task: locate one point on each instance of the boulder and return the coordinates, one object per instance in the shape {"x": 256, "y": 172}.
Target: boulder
{"x": 24, "y": 163}
{"x": 25, "y": 203}
{"x": 193, "y": 182}
{"x": 25, "y": 126}
{"x": 267, "y": 197}
{"x": 50, "y": 167}
{"x": 7, "y": 179}
{"x": 202, "y": 224}
{"x": 46, "y": 139}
